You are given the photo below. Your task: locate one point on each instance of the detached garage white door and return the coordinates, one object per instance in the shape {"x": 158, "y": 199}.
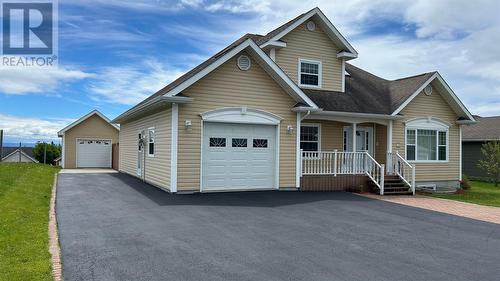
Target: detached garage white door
{"x": 93, "y": 153}
{"x": 238, "y": 156}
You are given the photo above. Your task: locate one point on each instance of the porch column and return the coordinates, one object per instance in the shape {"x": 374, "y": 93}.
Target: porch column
{"x": 388, "y": 154}
{"x": 354, "y": 136}
{"x": 298, "y": 155}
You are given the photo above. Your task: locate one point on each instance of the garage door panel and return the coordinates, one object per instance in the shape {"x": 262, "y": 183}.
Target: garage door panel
{"x": 243, "y": 165}
{"x": 93, "y": 153}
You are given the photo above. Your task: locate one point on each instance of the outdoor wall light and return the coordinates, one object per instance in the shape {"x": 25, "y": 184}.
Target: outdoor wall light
{"x": 289, "y": 129}
{"x": 188, "y": 124}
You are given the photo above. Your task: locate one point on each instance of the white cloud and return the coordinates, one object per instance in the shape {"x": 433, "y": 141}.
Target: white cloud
{"x": 131, "y": 84}
{"x": 28, "y": 129}
{"x": 37, "y": 80}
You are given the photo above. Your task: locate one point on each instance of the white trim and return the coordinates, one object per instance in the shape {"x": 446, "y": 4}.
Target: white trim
{"x": 459, "y": 151}
{"x": 251, "y": 44}
{"x": 429, "y": 123}
{"x": 85, "y": 117}
{"x": 298, "y": 156}
{"x": 449, "y": 91}
{"x": 154, "y": 141}
{"x": 93, "y": 138}
{"x": 278, "y": 44}
{"x": 174, "y": 147}
{"x": 277, "y": 161}
{"x": 63, "y": 148}
{"x": 343, "y": 75}
{"x": 242, "y": 115}
{"x": 317, "y": 125}
{"x": 272, "y": 54}
{"x": 346, "y": 55}
{"x": 278, "y": 153}
{"x": 331, "y": 30}
{"x": 371, "y": 139}
{"x": 299, "y": 72}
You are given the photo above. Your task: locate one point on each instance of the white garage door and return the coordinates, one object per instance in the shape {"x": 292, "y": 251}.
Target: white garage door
{"x": 93, "y": 153}
{"x": 238, "y": 156}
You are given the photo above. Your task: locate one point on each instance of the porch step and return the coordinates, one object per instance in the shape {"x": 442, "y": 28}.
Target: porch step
{"x": 393, "y": 185}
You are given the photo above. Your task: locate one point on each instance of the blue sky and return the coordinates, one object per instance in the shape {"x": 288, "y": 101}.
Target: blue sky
{"x": 113, "y": 54}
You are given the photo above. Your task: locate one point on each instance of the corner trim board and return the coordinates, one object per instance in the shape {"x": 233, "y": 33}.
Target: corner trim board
{"x": 174, "y": 147}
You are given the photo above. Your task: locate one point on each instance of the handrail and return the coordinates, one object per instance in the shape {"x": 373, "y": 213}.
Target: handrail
{"x": 405, "y": 170}
{"x": 343, "y": 162}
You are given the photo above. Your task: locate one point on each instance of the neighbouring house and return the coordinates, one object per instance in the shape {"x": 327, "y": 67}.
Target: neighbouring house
{"x": 18, "y": 155}
{"x": 88, "y": 142}
{"x": 286, "y": 111}
{"x": 473, "y": 137}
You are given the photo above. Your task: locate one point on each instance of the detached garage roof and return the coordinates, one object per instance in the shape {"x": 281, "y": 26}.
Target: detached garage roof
{"x": 90, "y": 114}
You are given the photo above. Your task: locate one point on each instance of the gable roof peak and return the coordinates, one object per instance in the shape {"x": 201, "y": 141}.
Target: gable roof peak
{"x": 85, "y": 117}
{"x": 325, "y": 24}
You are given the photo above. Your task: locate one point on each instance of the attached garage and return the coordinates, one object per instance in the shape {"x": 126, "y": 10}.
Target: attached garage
{"x": 239, "y": 152}
{"x": 88, "y": 142}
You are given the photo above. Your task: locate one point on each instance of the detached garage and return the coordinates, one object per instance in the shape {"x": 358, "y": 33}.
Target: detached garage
{"x": 88, "y": 142}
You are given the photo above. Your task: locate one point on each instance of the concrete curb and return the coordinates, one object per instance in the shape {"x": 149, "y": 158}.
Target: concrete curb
{"x": 54, "y": 247}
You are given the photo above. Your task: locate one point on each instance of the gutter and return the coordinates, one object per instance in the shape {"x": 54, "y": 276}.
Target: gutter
{"x": 148, "y": 105}
{"x": 346, "y": 114}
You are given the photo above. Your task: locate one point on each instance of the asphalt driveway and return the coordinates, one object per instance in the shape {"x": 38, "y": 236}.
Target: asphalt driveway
{"x": 114, "y": 227}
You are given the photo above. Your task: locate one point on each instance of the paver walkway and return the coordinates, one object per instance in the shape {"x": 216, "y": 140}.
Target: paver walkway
{"x": 457, "y": 208}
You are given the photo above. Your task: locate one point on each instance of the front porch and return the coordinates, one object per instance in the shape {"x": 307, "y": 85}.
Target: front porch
{"x": 351, "y": 154}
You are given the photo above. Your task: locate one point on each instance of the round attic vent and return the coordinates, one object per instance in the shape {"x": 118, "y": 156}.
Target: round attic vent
{"x": 311, "y": 26}
{"x": 428, "y": 90}
{"x": 244, "y": 62}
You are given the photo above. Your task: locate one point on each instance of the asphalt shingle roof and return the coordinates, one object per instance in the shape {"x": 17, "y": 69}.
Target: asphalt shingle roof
{"x": 486, "y": 128}
{"x": 367, "y": 93}
{"x": 8, "y": 150}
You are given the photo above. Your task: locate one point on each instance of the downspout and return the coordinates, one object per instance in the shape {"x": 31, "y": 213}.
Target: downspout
{"x": 298, "y": 155}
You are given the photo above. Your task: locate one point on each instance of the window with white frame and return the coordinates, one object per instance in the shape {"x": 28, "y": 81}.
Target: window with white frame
{"x": 151, "y": 141}
{"x": 309, "y": 73}
{"x": 309, "y": 137}
{"x": 426, "y": 141}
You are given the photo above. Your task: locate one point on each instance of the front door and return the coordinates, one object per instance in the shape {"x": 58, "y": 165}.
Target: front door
{"x": 364, "y": 139}
{"x": 139, "y": 154}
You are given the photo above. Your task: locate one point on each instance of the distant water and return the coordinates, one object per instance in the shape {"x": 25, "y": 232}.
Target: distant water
{"x": 14, "y": 144}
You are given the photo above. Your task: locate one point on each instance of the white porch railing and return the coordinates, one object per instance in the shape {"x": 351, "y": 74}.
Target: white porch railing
{"x": 399, "y": 166}
{"x": 343, "y": 163}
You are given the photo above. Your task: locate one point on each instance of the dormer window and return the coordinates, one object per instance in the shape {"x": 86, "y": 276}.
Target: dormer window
{"x": 309, "y": 73}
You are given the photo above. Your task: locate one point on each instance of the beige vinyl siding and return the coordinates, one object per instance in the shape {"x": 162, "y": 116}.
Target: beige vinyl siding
{"x": 435, "y": 106}
{"x": 157, "y": 168}
{"x": 332, "y": 137}
{"x": 227, "y": 86}
{"x": 92, "y": 127}
{"x": 312, "y": 45}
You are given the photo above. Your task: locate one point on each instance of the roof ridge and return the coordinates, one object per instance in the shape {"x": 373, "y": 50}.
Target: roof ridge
{"x": 413, "y": 76}
{"x": 367, "y": 72}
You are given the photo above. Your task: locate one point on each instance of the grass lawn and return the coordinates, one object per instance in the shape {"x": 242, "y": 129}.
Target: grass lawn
{"x": 24, "y": 213}
{"x": 482, "y": 193}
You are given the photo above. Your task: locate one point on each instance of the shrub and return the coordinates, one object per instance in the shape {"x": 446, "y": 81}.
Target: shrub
{"x": 465, "y": 183}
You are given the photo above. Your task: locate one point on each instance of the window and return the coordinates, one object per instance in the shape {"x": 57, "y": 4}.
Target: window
{"x": 309, "y": 137}
{"x": 151, "y": 142}
{"x": 426, "y": 145}
{"x": 260, "y": 143}
{"x": 309, "y": 73}
{"x": 239, "y": 142}
{"x": 139, "y": 142}
{"x": 217, "y": 142}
